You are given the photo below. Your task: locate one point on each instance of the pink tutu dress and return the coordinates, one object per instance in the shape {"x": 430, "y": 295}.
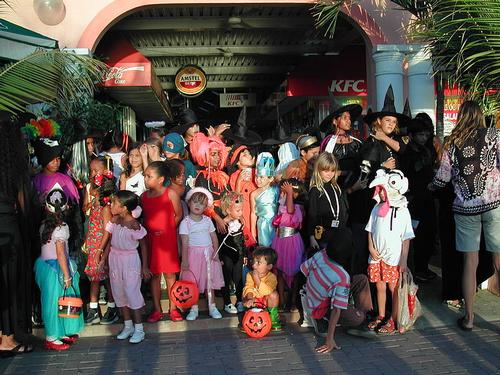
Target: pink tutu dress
{"x": 288, "y": 243}
{"x": 125, "y": 265}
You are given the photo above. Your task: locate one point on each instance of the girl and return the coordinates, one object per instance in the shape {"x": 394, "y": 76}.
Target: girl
{"x": 232, "y": 250}
{"x": 132, "y": 178}
{"x": 103, "y": 187}
{"x": 199, "y": 242}
{"x": 264, "y": 201}
{"x": 328, "y": 206}
{"x": 173, "y": 149}
{"x": 288, "y": 243}
{"x": 115, "y": 146}
{"x": 56, "y": 274}
{"x": 162, "y": 213}
{"x": 151, "y": 151}
{"x": 124, "y": 263}
{"x": 389, "y": 234}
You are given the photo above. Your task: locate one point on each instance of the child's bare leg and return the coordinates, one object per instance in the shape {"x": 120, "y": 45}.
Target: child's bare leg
{"x": 156, "y": 292}
{"x": 209, "y": 294}
{"x": 125, "y": 311}
{"x": 273, "y": 299}
{"x": 136, "y": 316}
{"x": 94, "y": 291}
{"x": 281, "y": 287}
{"x": 381, "y": 297}
{"x": 170, "y": 279}
{"x": 110, "y": 292}
{"x": 394, "y": 293}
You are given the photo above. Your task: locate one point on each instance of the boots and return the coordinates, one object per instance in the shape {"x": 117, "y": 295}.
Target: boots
{"x": 275, "y": 318}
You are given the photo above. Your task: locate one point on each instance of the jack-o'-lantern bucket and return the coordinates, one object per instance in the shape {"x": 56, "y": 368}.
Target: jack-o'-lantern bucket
{"x": 184, "y": 293}
{"x": 69, "y": 306}
{"x": 256, "y": 323}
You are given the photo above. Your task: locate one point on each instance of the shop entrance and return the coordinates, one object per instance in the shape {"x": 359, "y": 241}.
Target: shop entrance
{"x": 272, "y": 54}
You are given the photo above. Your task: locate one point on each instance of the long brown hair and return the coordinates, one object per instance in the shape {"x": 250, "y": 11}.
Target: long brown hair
{"x": 470, "y": 118}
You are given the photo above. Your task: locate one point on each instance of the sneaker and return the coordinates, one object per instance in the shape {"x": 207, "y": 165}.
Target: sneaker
{"x": 137, "y": 337}
{"x": 125, "y": 333}
{"x": 175, "y": 316}
{"x": 92, "y": 317}
{"x": 305, "y": 324}
{"x": 193, "y": 314}
{"x": 214, "y": 313}
{"x": 231, "y": 309}
{"x": 240, "y": 307}
{"x": 110, "y": 316}
{"x": 154, "y": 317}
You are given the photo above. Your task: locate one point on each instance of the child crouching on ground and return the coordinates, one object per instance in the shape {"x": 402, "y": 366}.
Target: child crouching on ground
{"x": 390, "y": 231}
{"x": 260, "y": 287}
{"x": 125, "y": 269}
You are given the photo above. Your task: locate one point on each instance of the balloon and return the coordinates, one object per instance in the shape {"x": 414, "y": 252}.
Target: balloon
{"x": 50, "y": 12}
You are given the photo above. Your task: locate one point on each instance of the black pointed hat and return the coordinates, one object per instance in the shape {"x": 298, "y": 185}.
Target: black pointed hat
{"x": 186, "y": 119}
{"x": 240, "y": 133}
{"x": 336, "y": 110}
{"x": 389, "y": 109}
{"x": 282, "y": 132}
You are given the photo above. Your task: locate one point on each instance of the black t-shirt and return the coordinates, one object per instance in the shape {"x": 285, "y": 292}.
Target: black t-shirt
{"x": 319, "y": 211}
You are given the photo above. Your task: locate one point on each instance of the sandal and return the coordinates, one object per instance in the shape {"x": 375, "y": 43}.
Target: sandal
{"x": 462, "y": 326}
{"x": 455, "y": 304}
{"x": 372, "y": 326}
{"x": 388, "y": 328}
{"x": 19, "y": 349}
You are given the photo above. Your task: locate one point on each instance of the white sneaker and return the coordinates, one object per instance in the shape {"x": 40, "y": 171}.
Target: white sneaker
{"x": 240, "y": 307}
{"x": 214, "y": 313}
{"x": 193, "y": 313}
{"x": 125, "y": 333}
{"x": 231, "y": 309}
{"x": 137, "y": 337}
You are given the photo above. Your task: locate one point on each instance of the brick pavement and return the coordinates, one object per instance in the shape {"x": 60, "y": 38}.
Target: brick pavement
{"x": 441, "y": 350}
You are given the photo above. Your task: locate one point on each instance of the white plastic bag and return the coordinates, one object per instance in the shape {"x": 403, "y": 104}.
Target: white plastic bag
{"x": 409, "y": 308}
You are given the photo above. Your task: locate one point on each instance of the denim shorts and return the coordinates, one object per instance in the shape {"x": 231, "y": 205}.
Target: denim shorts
{"x": 468, "y": 231}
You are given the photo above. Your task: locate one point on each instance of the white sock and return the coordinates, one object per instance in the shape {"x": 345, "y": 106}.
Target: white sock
{"x": 194, "y": 307}
{"x": 139, "y": 327}
{"x": 128, "y": 323}
{"x": 111, "y": 305}
{"x": 212, "y": 306}
{"x": 53, "y": 339}
{"x": 93, "y": 305}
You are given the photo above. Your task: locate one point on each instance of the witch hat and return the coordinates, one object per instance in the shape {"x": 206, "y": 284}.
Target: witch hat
{"x": 186, "y": 119}
{"x": 240, "y": 133}
{"x": 336, "y": 110}
{"x": 407, "y": 113}
{"x": 389, "y": 109}
{"x": 283, "y": 132}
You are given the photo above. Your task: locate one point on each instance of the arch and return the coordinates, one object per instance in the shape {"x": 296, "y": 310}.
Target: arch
{"x": 119, "y": 9}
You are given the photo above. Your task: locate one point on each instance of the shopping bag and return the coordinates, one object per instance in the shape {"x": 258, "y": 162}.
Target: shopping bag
{"x": 409, "y": 308}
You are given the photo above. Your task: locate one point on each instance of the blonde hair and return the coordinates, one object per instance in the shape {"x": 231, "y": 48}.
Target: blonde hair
{"x": 470, "y": 118}
{"x": 229, "y": 199}
{"x": 325, "y": 162}
{"x": 378, "y": 122}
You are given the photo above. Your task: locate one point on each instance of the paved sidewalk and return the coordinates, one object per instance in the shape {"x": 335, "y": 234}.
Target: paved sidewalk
{"x": 227, "y": 351}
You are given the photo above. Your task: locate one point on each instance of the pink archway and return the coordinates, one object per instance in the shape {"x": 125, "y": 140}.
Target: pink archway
{"x": 118, "y": 10}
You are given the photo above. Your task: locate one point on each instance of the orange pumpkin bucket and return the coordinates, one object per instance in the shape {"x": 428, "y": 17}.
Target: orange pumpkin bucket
{"x": 256, "y": 323}
{"x": 184, "y": 293}
{"x": 69, "y": 307}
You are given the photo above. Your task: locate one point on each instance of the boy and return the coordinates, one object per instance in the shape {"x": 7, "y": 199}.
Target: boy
{"x": 260, "y": 287}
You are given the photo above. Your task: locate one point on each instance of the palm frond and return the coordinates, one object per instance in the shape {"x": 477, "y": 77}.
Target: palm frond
{"x": 48, "y": 76}
{"x": 326, "y": 15}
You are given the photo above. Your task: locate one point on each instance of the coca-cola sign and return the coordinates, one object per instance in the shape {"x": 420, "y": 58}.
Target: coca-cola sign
{"x": 190, "y": 80}
{"x": 116, "y": 74}
{"x": 127, "y": 74}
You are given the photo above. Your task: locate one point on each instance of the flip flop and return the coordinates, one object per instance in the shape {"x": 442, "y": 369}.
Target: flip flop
{"x": 462, "y": 326}
{"x": 16, "y": 350}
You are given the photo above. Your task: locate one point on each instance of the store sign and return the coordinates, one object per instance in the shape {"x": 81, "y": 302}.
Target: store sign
{"x": 126, "y": 75}
{"x": 237, "y": 100}
{"x": 190, "y": 80}
{"x": 348, "y": 87}
{"x": 453, "y": 98}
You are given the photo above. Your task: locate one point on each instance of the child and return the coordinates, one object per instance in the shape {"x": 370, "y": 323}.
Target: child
{"x": 55, "y": 273}
{"x": 173, "y": 149}
{"x": 162, "y": 212}
{"x": 288, "y": 243}
{"x": 390, "y": 231}
{"x": 151, "y": 151}
{"x": 124, "y": 263}
{"x": 199, "y": 242}
{"x": 260, "y": 286}
{"x": 231, "y": 252}
{"x": 103, "y": 187}
{"x": 263, "y": 201}
{"x": 132, "y": 177}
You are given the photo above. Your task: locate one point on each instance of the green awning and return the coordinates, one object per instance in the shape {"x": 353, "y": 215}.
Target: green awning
{"x": 16, "y": 42}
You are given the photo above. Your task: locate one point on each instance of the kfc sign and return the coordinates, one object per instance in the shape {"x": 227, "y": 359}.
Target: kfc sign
{"x": 348, "y": 87}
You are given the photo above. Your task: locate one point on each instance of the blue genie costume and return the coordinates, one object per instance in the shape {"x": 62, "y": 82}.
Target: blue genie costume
{"x": 266, "y": 203}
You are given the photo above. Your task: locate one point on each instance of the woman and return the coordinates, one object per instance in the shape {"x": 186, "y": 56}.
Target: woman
{"x": 471, "y": 161}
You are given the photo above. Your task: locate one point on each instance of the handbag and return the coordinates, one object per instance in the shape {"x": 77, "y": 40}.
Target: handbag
{"x": 409, "y": 308}
{"x": 69, "y": 306}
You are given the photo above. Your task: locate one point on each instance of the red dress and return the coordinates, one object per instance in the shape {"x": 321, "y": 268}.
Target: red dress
{"x": 159, "y": 221}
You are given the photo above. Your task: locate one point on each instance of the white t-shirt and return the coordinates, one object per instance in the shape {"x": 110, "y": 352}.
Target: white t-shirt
{"x": 387, "y": 241}
{"x": 198, "y": 231}
{"x": 117, "y": 164}
{"x": 136, "y": 184}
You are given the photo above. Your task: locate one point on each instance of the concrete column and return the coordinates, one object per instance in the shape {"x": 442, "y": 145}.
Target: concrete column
{"x": 389, "y": 71}
{"x": 421, "y": 93}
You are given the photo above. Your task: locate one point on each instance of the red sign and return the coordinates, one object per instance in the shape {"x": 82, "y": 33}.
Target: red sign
{"x": 453, "y": 98}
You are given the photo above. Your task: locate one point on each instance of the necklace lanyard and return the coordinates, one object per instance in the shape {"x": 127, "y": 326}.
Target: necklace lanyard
{"x": 335, "y": 214}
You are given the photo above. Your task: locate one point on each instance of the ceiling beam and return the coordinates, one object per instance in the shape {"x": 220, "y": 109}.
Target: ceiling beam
{"x": 232, "y": 50}
{"x": 213, "y": 23}
{"x": 229, "y": 84}
{"x": 212, "y": 70}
